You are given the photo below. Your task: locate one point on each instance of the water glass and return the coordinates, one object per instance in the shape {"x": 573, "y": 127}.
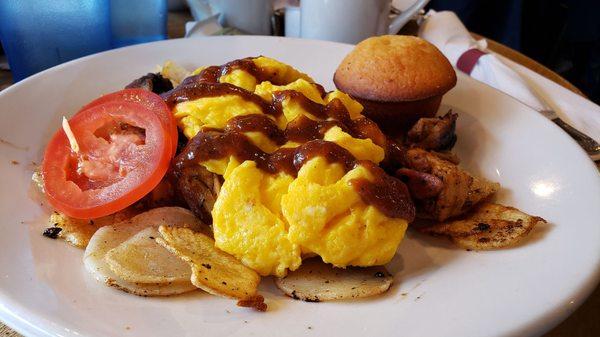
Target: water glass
{"x": 137, "y": 21}
{"x": 37, "y": 35}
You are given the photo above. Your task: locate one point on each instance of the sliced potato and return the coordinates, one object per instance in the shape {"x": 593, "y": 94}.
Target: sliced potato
{"x": 78, "y": 232}
{"x": 490, "y": 226}
{"x": 316, "y": 281}
{"x": 174, "y": 72}
{"x": 213, "y": 270}
{"x": 141, "y": 260}
{"x": 151, "y": 289}
{"x": 109, "y": 237}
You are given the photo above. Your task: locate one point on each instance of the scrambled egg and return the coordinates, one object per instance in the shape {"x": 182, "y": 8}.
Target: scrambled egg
{"x": 214, "y": 112}
{"x": 361, "y": 149}
{"x": 270, "y": 222}
{"x": 247, "y": 220}
{"x": 327, "y": 217}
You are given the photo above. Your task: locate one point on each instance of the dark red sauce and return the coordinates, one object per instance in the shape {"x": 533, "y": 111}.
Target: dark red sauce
{"x": 196, "y": 90}
{"x": 214, "y": 73}
{"x": 388, "y": 194}
{"x": 257, "y": 123}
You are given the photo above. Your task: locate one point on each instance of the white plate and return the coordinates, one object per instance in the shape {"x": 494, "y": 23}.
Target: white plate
{"x": 439, "y": 290}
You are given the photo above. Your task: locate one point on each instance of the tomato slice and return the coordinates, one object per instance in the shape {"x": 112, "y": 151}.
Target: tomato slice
{"x": 124, "y": 151}
{"x": 147, "y": 98}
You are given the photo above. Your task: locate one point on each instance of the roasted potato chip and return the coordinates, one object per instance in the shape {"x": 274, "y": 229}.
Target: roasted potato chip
{"x": 316, "y": 281}
{"x": 109, "y": 237}
{"x": 151, "y": 289}
{"x": 213, "y": 270}
{"x": 79, "y": 231}
{"x": 490, "y": 226}
{"x": 174, "y": 72}
{"x": 141, "y": 260}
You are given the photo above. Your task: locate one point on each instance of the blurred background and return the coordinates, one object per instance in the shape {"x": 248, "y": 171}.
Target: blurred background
{"x": 563, "y": 35}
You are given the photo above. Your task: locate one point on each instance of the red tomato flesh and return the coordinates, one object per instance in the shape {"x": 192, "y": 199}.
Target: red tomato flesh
{"x": 150, "y": 100}
{"x": 124, "y": 151}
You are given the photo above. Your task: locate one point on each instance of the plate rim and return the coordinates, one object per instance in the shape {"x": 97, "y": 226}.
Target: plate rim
{"x": 19, "y": 320}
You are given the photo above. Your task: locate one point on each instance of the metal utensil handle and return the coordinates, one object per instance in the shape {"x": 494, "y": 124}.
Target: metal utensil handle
{"x": 586, "y": 142}
{"x": 405, "y": 16}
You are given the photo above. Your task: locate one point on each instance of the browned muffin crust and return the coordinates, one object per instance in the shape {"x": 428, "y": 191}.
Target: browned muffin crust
{"x": 394, "y": 68}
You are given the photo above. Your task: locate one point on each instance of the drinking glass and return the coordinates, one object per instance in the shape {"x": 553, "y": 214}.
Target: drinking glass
{"x": 137, "y": 21}
{"x": 37, "y": 35}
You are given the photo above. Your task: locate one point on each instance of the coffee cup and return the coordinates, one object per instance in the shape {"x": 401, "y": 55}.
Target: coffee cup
{"x": 351, "y": 21}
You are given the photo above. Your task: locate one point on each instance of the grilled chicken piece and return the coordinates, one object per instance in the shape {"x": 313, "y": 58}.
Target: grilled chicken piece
{"x": 447, "y": 156}
{"x": 437, "y": 133}
{"x": 163, "y": 195}
{"x": 199, "y": 188}
{"x": 459, "y": 193}
{"x": 420, "y": 184}
{"x": 152, "y": 82}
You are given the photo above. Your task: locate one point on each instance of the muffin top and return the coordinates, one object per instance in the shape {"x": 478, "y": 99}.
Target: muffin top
{"x": 393, "y": 68}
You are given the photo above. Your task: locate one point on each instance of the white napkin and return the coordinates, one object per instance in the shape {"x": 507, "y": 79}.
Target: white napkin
{"x": 205, "y": 27}
{"x": 449, "y": 35}
{"x": 446, "y": 31}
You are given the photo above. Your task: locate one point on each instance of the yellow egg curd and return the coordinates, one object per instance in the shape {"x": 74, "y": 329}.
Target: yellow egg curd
{"x": 270, "y": 221}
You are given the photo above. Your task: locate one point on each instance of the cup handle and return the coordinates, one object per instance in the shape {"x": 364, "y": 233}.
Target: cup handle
{"x": 405, "y": 16}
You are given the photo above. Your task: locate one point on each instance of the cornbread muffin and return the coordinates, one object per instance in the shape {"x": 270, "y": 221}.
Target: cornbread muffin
{"x": 398, "y": 79}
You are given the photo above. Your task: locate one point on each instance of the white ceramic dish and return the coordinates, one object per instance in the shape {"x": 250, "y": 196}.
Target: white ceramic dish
{"x": 439, "y": 290}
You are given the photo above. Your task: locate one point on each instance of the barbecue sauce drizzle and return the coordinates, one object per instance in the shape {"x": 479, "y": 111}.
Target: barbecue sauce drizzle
{"x": 388, "y": 194}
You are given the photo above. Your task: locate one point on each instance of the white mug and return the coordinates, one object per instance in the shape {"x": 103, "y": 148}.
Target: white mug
{"x": 351, "y": 21}
{"x": 251, "y": 16}
{"x": 292, "y": 21}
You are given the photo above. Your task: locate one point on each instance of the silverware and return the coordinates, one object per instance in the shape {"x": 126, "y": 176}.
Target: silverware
{"x": 407, "y": 15}
{"x": 589, "y": 145}
{"x": 586, "y": 142}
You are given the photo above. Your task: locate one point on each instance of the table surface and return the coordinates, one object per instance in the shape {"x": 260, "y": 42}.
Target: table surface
{"x": 584, "y": 322}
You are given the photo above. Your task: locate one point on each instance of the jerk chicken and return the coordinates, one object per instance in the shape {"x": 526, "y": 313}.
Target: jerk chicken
{"x": 437, "y": 133}
{"x": 151, "y": 82}
{"x": 439, "y": 187}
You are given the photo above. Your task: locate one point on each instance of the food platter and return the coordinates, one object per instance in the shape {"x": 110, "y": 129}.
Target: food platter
{"x": 438, "y": 289}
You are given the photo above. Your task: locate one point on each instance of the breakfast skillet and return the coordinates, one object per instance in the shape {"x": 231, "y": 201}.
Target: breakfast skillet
{"x": 215, "y": 178}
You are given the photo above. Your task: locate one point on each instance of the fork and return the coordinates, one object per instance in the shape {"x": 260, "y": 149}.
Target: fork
{"x": 586, "y": 142}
